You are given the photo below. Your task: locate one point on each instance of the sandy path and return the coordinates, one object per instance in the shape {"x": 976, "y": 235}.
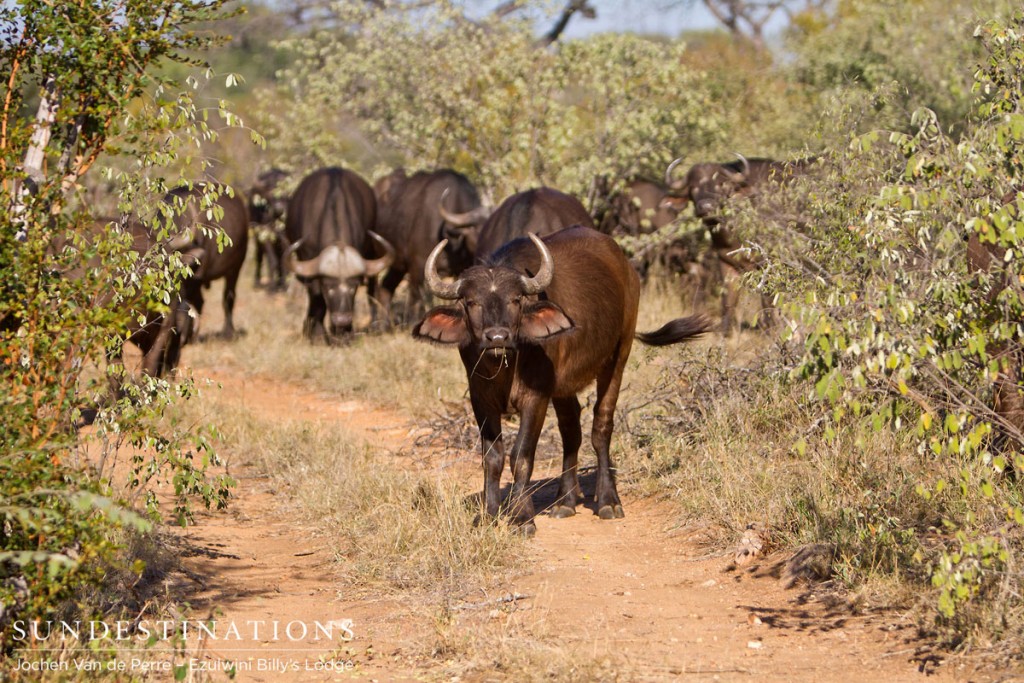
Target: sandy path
{"x": 639, "y": 598}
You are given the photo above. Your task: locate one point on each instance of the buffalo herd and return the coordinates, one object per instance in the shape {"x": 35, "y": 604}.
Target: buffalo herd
{"x": 542, "y": 300}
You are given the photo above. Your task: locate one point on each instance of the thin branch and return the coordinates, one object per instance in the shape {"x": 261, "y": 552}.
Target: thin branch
{"x": 19, "y": 54}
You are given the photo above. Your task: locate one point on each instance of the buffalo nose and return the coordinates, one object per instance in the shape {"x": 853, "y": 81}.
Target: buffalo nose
{"x": 705, "y": 207}
{"x": 499, "y": 335}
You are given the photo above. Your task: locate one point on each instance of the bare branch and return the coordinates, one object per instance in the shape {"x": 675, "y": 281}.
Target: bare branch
{"x": 582, "y": 6}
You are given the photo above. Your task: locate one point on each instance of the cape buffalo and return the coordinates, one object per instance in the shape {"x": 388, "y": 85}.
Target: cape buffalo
{"x": 330, "y": 223}
{"x": 267, "y": 206}
{"x": 159, "y": 336}
{"x": 709, "y": 186}
{"x": 527, "y": 340}
{"x": 204, "y": 227}
{"x": 640, "y": 207}
{"x": 409, "y": 217}
{"x": 542, "y": 210}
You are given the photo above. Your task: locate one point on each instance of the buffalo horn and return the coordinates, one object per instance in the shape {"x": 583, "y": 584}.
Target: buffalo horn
{"x": 668, "y": 171}
{"x": 537, "y": 283}
{"x": 462, "y": 220}
{"x": 376, "y": 265}
{"x": 338, "y": 261}
{"x": 746, "y": 168}
{"x": 301, "y": 268}
{"x": 437, "y": 286}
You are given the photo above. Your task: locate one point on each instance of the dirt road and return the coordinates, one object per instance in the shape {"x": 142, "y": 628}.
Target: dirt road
{"x": 630, "y": 600}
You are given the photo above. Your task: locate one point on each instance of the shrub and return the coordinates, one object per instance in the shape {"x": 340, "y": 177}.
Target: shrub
{"x": 68, "y": 289}
{"x": 899, "y": 335}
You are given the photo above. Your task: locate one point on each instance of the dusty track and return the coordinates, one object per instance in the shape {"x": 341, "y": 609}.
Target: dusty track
{"x": 637, "y": 597}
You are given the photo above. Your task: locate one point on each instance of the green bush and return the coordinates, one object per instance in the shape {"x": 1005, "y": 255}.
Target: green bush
{"x": 899, "y": 335}
{"x": 386, "y": 88}
{"x": 79, "y": 98}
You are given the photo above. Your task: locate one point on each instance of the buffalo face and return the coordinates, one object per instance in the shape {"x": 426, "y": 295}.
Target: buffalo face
{"x": 332, "y": 278}
{"x": 496, "y": 308}
{"x": 340, "y": 296}
{"x": 710, "y": 185}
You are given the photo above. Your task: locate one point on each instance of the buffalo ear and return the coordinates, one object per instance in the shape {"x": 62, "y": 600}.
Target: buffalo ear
{"x": 542, "y": 320}
{"x": 674, "y": 203}
{"x": 444, "y": 325}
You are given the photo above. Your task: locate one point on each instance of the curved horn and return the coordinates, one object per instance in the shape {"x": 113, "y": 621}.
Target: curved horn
{"x": 437, "y": 286}
{"x": 374, "y": 266}
{"x": 537, "y": 283}
{"x": 746, "y": 164}
{"x": 462, "y": 220}
{"x": 309, "y": 268}
{"x": 668, "y": 171}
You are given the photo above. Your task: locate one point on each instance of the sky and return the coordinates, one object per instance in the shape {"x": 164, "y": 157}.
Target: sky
{"x": 642, "y": 16}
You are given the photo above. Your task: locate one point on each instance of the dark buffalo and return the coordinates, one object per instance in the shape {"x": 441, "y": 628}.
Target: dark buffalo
{"x": 527, "y": 340}
{"x": 409, "y": 217}
{"x": 217, "y": 233}
{"x": 542, "y": 211}
{"x": 159, "y": 336}
{"x": 640, "y": 207}
{"x": 709, "y": 187}
{"x": 330, "y": 224}
{"x": 268, "y": 203}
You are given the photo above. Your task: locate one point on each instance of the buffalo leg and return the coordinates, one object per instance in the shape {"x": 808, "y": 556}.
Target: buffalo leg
{"x": 766, "y": 318}
{"x": 608, "y": 382}
{"x": 228, "y": 301}
{"x": 165, "y": 350}
{"x": 492, "y": 452}
{"x": 275, "y": 264}
{"x": 392, "y": 278}
{"x": 313, "y": 327}
{"x": 568, "y": 412}
{"x": 414, "y": 307}
{"x": 531, "y": 420}
{"x": 258, "y": 255}
{"x": 730, "y": 296}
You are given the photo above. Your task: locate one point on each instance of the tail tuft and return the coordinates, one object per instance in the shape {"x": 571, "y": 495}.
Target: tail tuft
{"x": 675, "y": 331}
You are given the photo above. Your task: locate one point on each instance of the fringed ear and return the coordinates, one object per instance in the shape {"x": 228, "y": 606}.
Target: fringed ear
{"x": 444, "y": 325}
{"x": 543, "y": 320}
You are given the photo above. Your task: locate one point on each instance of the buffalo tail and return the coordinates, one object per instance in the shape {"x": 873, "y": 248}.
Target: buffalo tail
{"x": 675, "y": 331}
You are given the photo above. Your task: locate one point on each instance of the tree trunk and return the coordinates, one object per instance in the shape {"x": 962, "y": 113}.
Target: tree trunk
{"x": 35, "y": 156}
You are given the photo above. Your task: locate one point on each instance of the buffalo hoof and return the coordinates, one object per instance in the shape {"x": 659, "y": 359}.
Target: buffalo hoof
{"x": 527, "y": 529}
{"x": 562, "y": 511}
{"x": 611, "y": 512}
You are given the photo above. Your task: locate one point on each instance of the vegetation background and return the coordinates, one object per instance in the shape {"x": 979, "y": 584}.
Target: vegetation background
{"x": 875, "y": 421}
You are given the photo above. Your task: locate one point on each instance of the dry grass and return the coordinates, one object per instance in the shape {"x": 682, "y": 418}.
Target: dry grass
{"x": 387, "y": 369}
{"x": 391, "y": 528}
{"x": 428, "y": 383}
{"x": 716, "y": 427}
